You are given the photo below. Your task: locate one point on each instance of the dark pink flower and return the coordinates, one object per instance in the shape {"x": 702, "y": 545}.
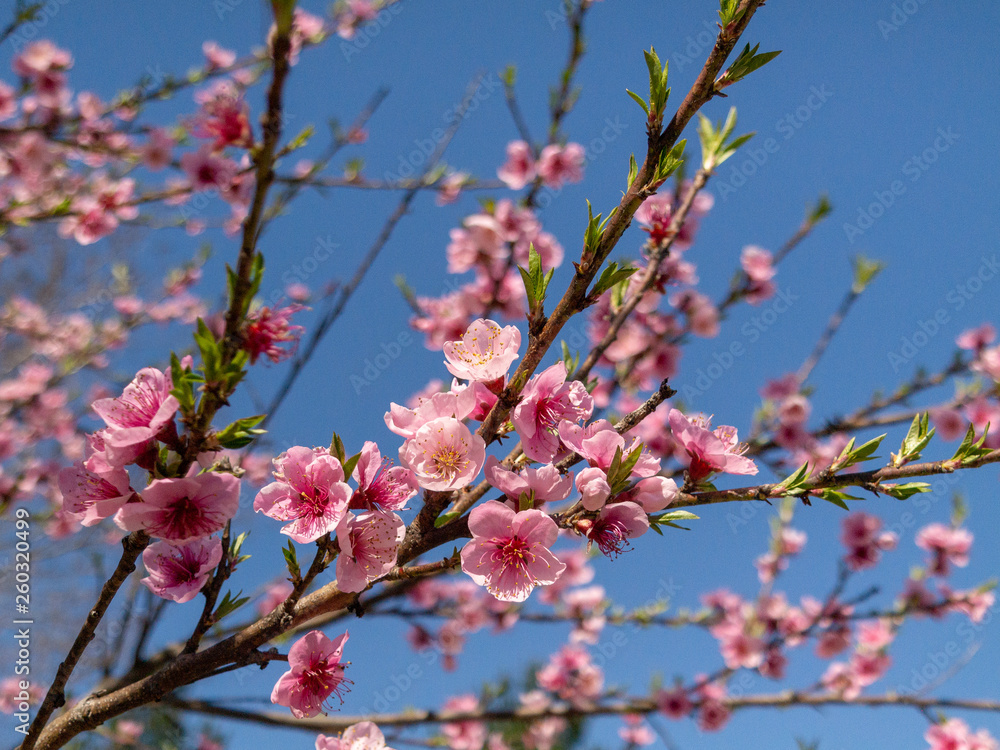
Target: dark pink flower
{"x": 674, "y": 704}
{"x": 381, "y": 487}
{"x": 368, "y": 545}
{"x": 615, "y": 525}
{"x": 267, "y": 330}
{"x": 179, "y": 572}
{"x": 546, "y": 401}
{"x": 509, "y": 552}
{"x": 708, "y": 451}
{"x": 559, "y": 164}
{"x": 137, "y": 416}
{"x": 315, "y": 673}
{"x": 310, "y": 492}
{"x": 947, "y": 545}
{"x": 179, "y": 510}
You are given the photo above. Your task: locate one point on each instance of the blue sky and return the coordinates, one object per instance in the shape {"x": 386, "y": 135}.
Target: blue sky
{"x": 870, "y": 103}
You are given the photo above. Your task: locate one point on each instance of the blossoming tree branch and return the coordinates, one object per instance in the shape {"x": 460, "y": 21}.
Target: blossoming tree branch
{"x": 502, "y": 485}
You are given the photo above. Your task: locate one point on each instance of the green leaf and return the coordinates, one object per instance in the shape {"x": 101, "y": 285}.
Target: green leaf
{"x": 917, "y": 438}
{"x": 241, "y": 433}
{"x": 229, "y": 604}
{"x": 337, "y": 449}
{"x": 350, "y": 463}
{"x": 971, "y": 449}
{"x": 865, "y": 271}
{"x": 746, "y": 63}
{"x": 291, "y": 560}
{"x": 837, "y": 498}
{"x": 795, "y": 481}
{"x": 866, "y": 451}
{"x": 611, "y": 276}
{"x": 639, "y": 100}
{"x": 822, "y": 209}
{"x": 445, "y": 518}
{"x": 903, "y": 491}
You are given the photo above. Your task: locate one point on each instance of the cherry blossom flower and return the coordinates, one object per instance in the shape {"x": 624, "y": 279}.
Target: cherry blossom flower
{"x": 635, "y": 732}
{"x": 207, "y": 170}
{"x": 484, "y": 353}
{"x": 216, "y": 56}
{"x": 381, "y": 487}
{"x": 94, "y": 496}
{"x": 364, "y": 735}
{"x": 546, "y": 401}
{"x": 544, "y": 483}
{"x": 179, "y": 572}
{"x": 309, "y": 492}
{"x": 757, "y": 263}
{"x": 315, "y": 673}
{"x": 861, "y": 534}
{"x": 674, "y": 704}
{"x": 654, "y": 493}
{"x": 266, "y": 330}
{"x": 444, "y": 454}
{"x": 138, "y": 415}
{"x": 947, "y": 545}
{"x": 708, "y": 451}
{"x": 519, "y": 169}
{"x": 599, "y": 442}
{"x": 558, "y": 164}
{"x": 615, "y": 525}
{"x": 976, "y": 339}
{"x": 276, "y": 593}
{"x": 368, "y": 545}
{"x": 464, "y": 735}
{"x": 179, "y": 510}
{"x": 572, "y": 676}
{"x": 457, "y": 404}
{"x": 509, "y": 552}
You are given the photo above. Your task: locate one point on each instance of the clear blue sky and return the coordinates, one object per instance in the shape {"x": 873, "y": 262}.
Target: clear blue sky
{"x": 859, "y": 91}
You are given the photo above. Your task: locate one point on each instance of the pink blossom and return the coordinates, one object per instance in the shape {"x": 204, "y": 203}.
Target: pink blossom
{"x": 635, "y": 732}
{"x": 707, "y": 452}
{"x": 179, "y": 510}
{"x": 615, "y": 525}
{"x": 456, "y": 404}
{"x": 949, "y": 423}
{"x": 509, "y": 552}
{"x": 217, "y": 57}
{"x": 12, "y": 694}
{"x": 861, "y": 534}
{"x": 655, "y": 493}
{"x": 599, "y": 442}
{"x": 310, "y": 492}
{"x": 559, "y": 164}
{"x": 484, "y": 353}
{"x": 479, "y": 242}
{"x": 544, "y": 483}
{"x": 592, "y": 484}
{"x": 572, "y": 676}
{"x": 127, "y": 732}
{"x": 875, "y": 636}
{"x": 381, "y": 487}
{"x": 464, "y": 735}
{"x": 361, "y": 736}
{"x": 547, "y": 400}
{"x": 179, "y": 572}
{"x": 368, "y": 544}
{"x": 94, "y": 496}
{"x": 443, "y": 454}
{"x": 315, "y": 673}
{"x": 206, "y": 170}
{"x": 519, "y": 169}
{"x": 276, "y": 593}
{"x": 138, "y": 415}
{"x": 976, "y": 339}
{"x": 952, "y": 734}
{"x": 450, "y": 188}
{"x": 742, "y": 650}
{"x": 947, "y": 545}
{"x": 674, "y": 704}
{"x": 266, "y": 330}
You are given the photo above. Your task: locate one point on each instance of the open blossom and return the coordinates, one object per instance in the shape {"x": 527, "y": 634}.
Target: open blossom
{"x": 519, "y": 169}
{"x": 179, "y": 510}
{"x": 315, "y": 673}
{"x": 954, "y": 734}
{"x": 368, "y": 545}
{"x": 947, "y": 545}
{"x": 546, "y": 401}
{"x": 862, "y": 534}
{"x": 179, "y": 572}
{"x": 381, "y": 487}
{"x": 559, "y": 164}
{"x": 361, "y": 736}
{"x": 545, "y": 483}
{"x": 267, "y": 330}
{"x": 457, "y": 404}
{"x": 674, "y": 704}
{"x": 757, "y": 263}
{"x": 444, "y": 454}
{"x": 655, "y": 493}
{"x": 509, "y": 552}
{"x": 708, "y": 451}
{"x": 91, "y": 495}
{"x": 464, "y": 735}
{"x": 615, "y": 525}
{"x": 572, "y": 676}
{"x": 310, "y": 492}
{"x": 138, "y": 415}
{"x": 484, "y": 353}
{"x": 599, "y": 442}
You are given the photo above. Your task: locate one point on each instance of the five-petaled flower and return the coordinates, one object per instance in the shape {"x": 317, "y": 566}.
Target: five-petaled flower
{"x": 178, "y": 572}
{"x": 315, "y": 673}
{"x": 444, "y": 454}
{"x": 484, "y": 353}
{"x": 179, "y": 510}
{"x": 509, "y": 552}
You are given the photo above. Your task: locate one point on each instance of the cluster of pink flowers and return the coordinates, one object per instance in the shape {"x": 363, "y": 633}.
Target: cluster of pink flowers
{"x": 867, "y": 664}
{"x": 865, "y": 541}
{"x": 555, "y": 165}
{"x": 490, "y": 244}
{"x": 955, "y": 734}
{"x": 572, "y": 676}
{"x": 948, "y": 546}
